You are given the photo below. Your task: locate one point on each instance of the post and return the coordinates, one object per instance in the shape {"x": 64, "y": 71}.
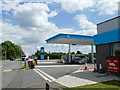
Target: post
{"x": 21, "y": 56}
{"x": 25, "y": 62}
{"x": 69, "y": 53}
{"x": 47, "y": 86}
{"x": 92, "y": 57}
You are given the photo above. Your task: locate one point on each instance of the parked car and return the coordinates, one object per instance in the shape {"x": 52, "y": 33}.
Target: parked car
{"x": 12, "y": 59}
{"x": 79, "y": 59}
{"x": 64, "y": 59}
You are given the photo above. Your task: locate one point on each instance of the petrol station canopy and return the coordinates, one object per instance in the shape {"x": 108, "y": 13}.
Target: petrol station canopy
{"x": 71, "y": 39}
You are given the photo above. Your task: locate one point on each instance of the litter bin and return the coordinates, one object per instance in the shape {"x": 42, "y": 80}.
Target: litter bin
{"x": 113, "y": 64}
{"x": 30, "y": 63}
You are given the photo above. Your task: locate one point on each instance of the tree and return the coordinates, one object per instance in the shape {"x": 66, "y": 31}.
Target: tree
{"x": 38, "y": 54}
{"x": 10, "y": 50}
{"x": 78, "y": 52}
{"x": 72, "y": 52}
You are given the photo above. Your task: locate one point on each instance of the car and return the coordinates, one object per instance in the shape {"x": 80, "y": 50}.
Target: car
{"x": 12, "y": 59}
{"x": 79, "y": 59}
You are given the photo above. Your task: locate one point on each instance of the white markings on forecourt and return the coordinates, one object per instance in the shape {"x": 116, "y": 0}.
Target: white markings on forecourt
{"x": 45, "y": 75}
{"x": 59, "y": 66}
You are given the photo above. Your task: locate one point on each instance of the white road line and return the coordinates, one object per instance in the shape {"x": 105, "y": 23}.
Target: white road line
{"x": 42, "y": 76}
{"x": 52, "y": 78}
{"x": 47, "y": 62}
{"x": 59, "y": 66}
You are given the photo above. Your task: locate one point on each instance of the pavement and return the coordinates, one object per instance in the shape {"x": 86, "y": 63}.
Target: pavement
{"x": 84, "y": 77}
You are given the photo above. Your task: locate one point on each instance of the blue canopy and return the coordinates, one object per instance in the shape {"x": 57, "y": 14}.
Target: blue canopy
{"x": 71, "y": 39}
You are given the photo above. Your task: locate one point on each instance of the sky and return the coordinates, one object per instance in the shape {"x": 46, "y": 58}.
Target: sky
{"x": 30, "y": 23}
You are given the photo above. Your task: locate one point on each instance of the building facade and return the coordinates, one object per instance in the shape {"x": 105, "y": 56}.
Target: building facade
{"x": 107, "y": 40}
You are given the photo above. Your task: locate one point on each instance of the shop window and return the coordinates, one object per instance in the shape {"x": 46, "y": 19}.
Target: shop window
{"x": 116, "y": 46}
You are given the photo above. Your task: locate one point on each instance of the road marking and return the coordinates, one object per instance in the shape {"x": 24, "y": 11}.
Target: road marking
{"x": 7, "y": 70}
{"x": 52, "y": 78}
{"x": 45, "y": 75}
{"x": 79, "y": 69}
{"x": 47, "y": 62}
{"x": 60, "y": 66}
{"x": 42, "y": 76}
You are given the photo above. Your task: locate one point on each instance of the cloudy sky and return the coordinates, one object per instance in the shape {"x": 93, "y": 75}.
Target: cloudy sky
{"x": 29, "y": 24}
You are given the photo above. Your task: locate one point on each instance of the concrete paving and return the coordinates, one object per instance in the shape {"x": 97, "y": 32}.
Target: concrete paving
{"x": 84, "y": 77}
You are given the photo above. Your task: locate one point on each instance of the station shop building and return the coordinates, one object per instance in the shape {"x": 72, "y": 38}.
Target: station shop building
{"x": 107, "y": 40}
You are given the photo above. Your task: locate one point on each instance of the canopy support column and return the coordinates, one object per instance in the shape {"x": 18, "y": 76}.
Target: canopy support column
{"x": 92, "y": 57}
{"x": 69, "y": 53}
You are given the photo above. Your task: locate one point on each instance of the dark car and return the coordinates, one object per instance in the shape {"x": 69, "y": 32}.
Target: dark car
{"x": 12, "y": 59}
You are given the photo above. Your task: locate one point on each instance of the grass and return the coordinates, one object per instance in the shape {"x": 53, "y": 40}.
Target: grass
{"x": 23, "y": 67}
{"x": 108, "y": 85}
{"x": 27, "y": 66}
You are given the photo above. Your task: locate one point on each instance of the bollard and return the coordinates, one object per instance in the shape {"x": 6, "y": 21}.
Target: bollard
{"x": 47, "y": 86}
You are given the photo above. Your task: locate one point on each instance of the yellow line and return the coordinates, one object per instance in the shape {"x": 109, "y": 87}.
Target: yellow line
{"x": 79, "y": 69}
{"x": 7, "y": 70}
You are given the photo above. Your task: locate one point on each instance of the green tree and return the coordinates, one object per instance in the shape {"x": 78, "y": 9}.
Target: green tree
{"x": 38, "y": 54}
{"x": 72, "y": 52}
{"x": 10, "y": 50}
{"x": 78, "y": 52}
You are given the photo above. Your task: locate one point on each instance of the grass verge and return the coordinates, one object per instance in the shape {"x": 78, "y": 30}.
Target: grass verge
{"x": 27, "y": 66}
{"x": 107, "y": 85}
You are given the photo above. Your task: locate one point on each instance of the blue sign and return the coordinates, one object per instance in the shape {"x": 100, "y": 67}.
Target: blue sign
{"x": 42, "y": 50}
{"x": 42, "y": 56}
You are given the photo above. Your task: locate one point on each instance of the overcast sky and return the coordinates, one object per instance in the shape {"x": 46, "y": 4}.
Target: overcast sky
{"x": 29, "y": 24}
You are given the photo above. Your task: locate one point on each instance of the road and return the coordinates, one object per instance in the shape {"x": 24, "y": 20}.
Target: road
{"x": 35, "y": 78}
{"x": 7, "y": 73}
{"x": 12, "y": 64}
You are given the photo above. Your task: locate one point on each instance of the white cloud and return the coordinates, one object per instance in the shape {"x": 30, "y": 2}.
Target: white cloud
{"x": 30, "y": 15}
{"x": 88, "y": 32}
{"x": 7, "y": 5}
{"x": 33, "y": 27}
{"x": 53, "y": 13}
{"x": 85, "y": 25}
{"x": 102, "y": 6}
{"x": 72, "y": 7}
{"x": 107, "y": 6}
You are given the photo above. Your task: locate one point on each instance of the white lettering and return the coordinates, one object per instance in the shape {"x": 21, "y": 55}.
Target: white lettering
{"x": 111, "y": 64}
